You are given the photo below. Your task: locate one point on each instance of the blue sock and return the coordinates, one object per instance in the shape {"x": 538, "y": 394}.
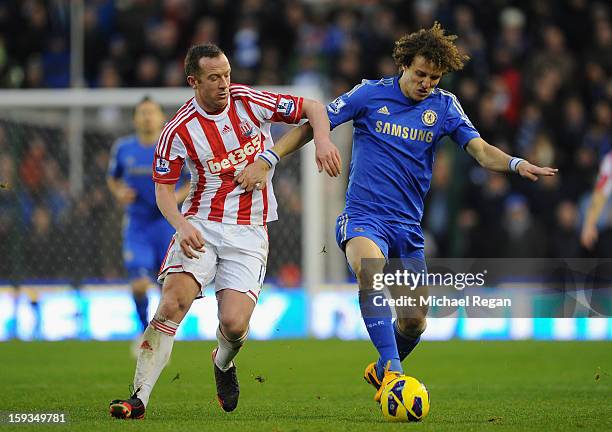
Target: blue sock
{"x": 142, "y": 304}
{"x": 380, "y": 328}
{"x": 405, "y": 344}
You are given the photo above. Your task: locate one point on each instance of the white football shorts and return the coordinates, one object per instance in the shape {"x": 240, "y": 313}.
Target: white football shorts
{"x": 234, "y": 256}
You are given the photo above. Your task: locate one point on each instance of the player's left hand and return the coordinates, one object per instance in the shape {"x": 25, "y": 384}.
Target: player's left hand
{"x": 328, "y": 157}
{"x": 253, "y": 176}
{"x": 533, "y": 172}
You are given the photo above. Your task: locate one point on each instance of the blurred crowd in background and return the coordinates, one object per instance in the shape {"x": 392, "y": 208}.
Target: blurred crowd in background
{"x": 538, "y": 85}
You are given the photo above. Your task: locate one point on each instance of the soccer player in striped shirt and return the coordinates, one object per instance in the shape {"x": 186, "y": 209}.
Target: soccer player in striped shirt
{"x": 221, "y": 231}
{"x": 397, "y": 124}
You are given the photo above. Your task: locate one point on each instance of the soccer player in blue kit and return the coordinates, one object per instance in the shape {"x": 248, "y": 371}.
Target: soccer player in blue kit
{"x": 146, "y": 233}
{"x": 397, "y": 123}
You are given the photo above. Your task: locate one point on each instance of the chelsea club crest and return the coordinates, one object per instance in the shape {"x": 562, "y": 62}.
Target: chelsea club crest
{"x": 429, "y": 117}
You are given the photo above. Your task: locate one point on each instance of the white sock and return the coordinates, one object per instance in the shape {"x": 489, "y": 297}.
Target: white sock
{"x": 227, "y": 349}
{"x": 155, "y": 349}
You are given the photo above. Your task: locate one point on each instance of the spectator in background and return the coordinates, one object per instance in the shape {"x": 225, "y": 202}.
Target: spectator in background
{"x": 33, "y": 19}
{"x": 469, "y": 93}
{"x": 568, "y": 135}
{"x": 109, "y": 76}
{"x": 120, "y": 59}
{"x": 96, "y": 44}
{"x": 530, "y": 125}
{"x": 490, "y": 122}
{"x": 162, "y": 41}
{"x": 379, "y": 37}
{"x": 173, "y": 75}
{"x": 437, "y": 216}
{"x": 565, "y": 240}
{"x": 523, "y": 237}
{"x": 269, "y": 73}
{"x": 553, "y": 55}
{"x": 42, "y": 245}
{"x": 31, "y": 168}
{"x": 598, "y": 137}
{"x": 33, "y": 73}
{"x": 206, "y": 29}
{"x": 247, "y": 50}
{"x": 594, "y": 82}
{"x": 308, "y": 72}
{"x": 483, "y": 228}
{"x": 601, "y": 50}
{"x": 511, "y": 38}
{"x": 148, "y": 73}
{"x": 472, "y": 40}
{"x": 56, "y": 62}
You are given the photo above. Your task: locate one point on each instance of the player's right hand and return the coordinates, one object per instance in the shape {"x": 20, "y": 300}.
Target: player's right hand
{"x": 328, "y": 157}
{"x": 126, "y": 195}
{"x": 190, "y": 240}
{"x": 253, "y": 176}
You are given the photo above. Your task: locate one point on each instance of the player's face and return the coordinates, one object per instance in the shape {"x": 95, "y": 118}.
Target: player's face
{"x": 212, "y": 86}
{"x": 148, "y": 118}
{"x": 420, "y": 78}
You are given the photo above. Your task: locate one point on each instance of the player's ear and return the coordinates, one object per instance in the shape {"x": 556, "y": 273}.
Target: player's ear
{"x": 192, "y": 81}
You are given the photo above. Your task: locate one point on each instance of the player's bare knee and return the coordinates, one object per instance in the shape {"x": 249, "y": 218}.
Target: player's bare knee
{"x": 412, "y": 327}
{"x": 233, "y": 326}
{"x": 365, "y": 270}
{"x": 168, "y": 307}
{"x": 173, "y": 304}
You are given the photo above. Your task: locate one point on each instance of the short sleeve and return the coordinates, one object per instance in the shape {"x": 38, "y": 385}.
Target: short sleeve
{"x": 348, "y": 106}
{"x": 115, "y": 167}
{"x": 288, "y": 108}
{"x": 457, "y": 124}
{"x": 269, "y": 106}
{"x": 170, "y": 154}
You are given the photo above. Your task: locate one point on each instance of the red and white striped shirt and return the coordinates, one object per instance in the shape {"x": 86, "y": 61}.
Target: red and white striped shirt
{"x": 604, "y": 180}
{"x": 216, "y": 146}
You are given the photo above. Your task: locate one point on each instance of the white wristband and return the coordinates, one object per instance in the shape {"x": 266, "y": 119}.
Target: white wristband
{"x": 270, "y": 157}
{"x": 514, "y": 162}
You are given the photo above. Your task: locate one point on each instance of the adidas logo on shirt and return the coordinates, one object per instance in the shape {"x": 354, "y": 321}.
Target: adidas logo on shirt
{"x": 383, "y": 110}
{"x": 226, "y": 129}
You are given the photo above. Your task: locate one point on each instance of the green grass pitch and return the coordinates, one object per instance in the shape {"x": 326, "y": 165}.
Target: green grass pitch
{"x": 312, "y": 385}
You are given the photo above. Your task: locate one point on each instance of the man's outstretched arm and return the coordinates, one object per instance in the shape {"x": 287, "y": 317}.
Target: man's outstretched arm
{"x": 254, "y": 176}
{"x": 492, "y": 158}
{"x": 327, "y": 156}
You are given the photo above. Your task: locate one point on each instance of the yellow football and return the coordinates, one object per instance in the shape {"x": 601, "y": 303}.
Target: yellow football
{"x": 404, "y": 399}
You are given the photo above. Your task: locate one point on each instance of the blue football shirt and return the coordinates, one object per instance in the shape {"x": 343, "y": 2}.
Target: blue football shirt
{"x": 131, "y": 162}
{"x": 394, "y": 141}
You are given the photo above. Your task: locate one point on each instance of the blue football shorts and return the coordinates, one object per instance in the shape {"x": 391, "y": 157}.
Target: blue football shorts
{"x": 395, "y": 240}
{"x": 145, "y": 244}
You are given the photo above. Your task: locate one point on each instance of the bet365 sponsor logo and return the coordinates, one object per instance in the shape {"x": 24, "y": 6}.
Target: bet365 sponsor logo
{"x": 228, "y": 161}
